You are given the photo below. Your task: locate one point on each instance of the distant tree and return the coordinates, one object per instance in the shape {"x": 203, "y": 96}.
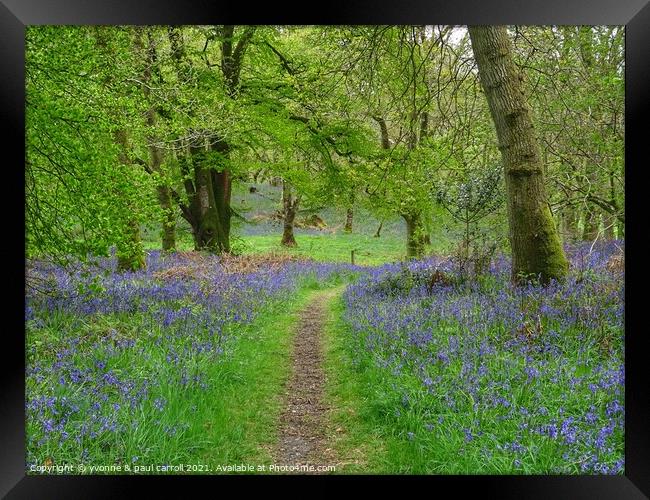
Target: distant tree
{"x": 349, "y": 213}
{"x": 290, "y": 207}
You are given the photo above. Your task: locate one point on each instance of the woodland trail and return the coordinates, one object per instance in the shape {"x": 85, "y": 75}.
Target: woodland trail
{"x": 303, "y": 422}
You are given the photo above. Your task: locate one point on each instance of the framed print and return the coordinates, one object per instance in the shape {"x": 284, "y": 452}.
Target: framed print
{"x": 382, "y": 242}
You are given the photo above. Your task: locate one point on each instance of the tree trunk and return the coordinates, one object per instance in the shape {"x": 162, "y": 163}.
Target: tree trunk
{"x": 222, "y": 192}
{"x": 534, "y": 240}
{"x": 130, "y": 253}
{"x": 209, "y": 187}
{"x": 209, "y": 197}
{"x": 288, "y": 238}
{"x": 415, "y": 235}
{"x": 129, "y": 250}
{"x": 349, "y": 216}
{"x": 348, "y": 220}
{"x": 620, "y": 229}
{"x": 290, "y": 207}
{"x": 169, "y": 219}
{"x": 378, "y": 232}
{"x": 208, "y": 211}
{"x": 590, "y": 229}
{"x": 164, "y": 196}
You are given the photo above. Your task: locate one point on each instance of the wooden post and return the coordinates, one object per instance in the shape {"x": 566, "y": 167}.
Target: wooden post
{"x": 352, "y": 256}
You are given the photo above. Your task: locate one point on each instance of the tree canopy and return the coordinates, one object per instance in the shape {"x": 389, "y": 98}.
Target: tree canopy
{"x": 128, "y": 125}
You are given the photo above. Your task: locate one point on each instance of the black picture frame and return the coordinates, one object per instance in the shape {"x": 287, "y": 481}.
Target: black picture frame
{"x": 15, "y": 15}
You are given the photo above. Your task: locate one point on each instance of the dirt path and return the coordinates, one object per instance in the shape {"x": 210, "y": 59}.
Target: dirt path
{"x": 303, "y": 421}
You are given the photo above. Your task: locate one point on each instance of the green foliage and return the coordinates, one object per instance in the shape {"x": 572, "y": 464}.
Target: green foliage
{"x": 307, "y": 108}
{"x": 575, "y": 83}
{"x": 79, "y": 196}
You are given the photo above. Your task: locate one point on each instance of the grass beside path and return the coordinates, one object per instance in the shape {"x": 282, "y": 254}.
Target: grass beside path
{"x": 239, "y": 413}
{"x": 240, "y": 418}
{"x": 357, "y": 444}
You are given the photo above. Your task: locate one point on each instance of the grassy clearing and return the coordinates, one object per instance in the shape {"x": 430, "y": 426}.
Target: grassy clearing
{"x": 331, "y": 247}
{"x": 326, "y": 247}
{"x": 331, "y": 244}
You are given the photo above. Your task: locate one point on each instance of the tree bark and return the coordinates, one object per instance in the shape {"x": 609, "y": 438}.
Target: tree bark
{"x": 209, "y": 197}
{"x": 534, "y": 240}
{"x": 415, "y": 235}
{"x": 349, "y": 216}
{"x": 169, "y": 219}
{"x": 290, "y": 207}
{"x": 130, "y": 253}
{"x": 164, "y": 196}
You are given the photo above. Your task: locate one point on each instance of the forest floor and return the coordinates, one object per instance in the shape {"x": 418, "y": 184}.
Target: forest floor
{"x": 303, "y": 432}
{"x": 302, "y": 368}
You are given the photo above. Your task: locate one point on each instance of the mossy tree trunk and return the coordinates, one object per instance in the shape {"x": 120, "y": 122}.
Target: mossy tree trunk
{"x": 415, "y": 235}
{"x": 620, "y": 229}
{"x": 129, "y": 249}
{"x": 349, "y": 215}
{"x": 289, "y": 208}
{"x": 150, "y": 72}
{"x": 169, "y": 219}
{"x": 130, "y": 252}
{"x": 534, "y": 240}
{"x": 208, "y": 179}
{"x": 209, "y": 193}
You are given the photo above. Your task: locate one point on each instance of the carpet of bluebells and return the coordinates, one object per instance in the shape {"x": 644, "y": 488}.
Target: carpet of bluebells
{"x": 483, "y": 377}
{"x": 112, "y": 358}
